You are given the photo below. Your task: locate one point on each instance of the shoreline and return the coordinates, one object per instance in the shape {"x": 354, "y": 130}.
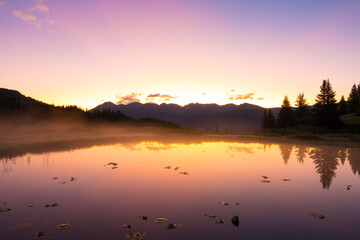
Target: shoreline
{"x": 80, "y": 138}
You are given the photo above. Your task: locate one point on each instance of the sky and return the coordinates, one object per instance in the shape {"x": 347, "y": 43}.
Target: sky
{"x": 85, "y": 52}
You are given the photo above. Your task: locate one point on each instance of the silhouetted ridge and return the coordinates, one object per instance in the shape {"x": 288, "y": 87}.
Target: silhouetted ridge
{"x": 243, "y": 118}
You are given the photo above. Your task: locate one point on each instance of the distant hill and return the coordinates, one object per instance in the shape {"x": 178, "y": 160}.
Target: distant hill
{"x": 16, "y": 107}
{"x": 243, "y": 118}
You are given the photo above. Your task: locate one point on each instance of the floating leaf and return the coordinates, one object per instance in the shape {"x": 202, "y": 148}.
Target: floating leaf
{"x": 173, "y": 226}
{"x": 144, "y": 217}
{"x": 239, "y": 203}
{"x": 220, "y": 221}
{"x": 177, "y": 168}
{"x": 37, "y": 235}
{"x": 210, "y": 215}
{"x": 285, "y": 180}
{"x": 54, "y": 178}
{"x": 31, "y": 206}
{"x": 72, "y": 179}
{"x": 63, "y": 226}
{"x": 112, "y": 163}
{"x": 160, "y": 220}
{"x": 319, "y": 216}
{"x": 51, "y": 205}
{"x": 167, "y": 167}
{"x": 235, "y": 221}
{"x": 264, "y": 177}
{"x": 5, "y": 209}
{"x": 184, "y": 173}
{"x": 348, "y": 187}
{"x": 222, "y": 203}
{"x": 114, "y": 167}
{"x": 127, "y": 226}
{"x": 63, "y": 182}
{"x": 137, "y": 235}
{"x": 265, "y": 181}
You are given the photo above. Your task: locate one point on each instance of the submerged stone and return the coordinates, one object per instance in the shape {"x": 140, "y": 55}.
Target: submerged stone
{"x": 5, "y": 209}
{"x": 127, "y": 226}
{"x": 317, "y": 215}
{"x": 137, "y": 235}
{"x": 235, "y": 221}
{"x": 173, "y": 226}
{"x": 210, "y": 215}
{"x": 144, "y": 217}
{"x": 220, "y": 221}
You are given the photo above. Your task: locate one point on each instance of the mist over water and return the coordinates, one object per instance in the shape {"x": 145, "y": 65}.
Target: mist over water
{"x": 98, "y": 188}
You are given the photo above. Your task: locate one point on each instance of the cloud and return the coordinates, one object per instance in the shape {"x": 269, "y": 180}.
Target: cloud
{"x": 260, "y": 98}
{"x": 130, "y": 98}
{"x": 52, "y": 21}
{"x": 36, "y": 20}
{"x": 2, "y": 4}
{"x": 164, "y": 97}
{"x": 204, "y": 93}
{"x": 24, "y": 15}
{"x": 40, "y": 7}
{"x": 248, "y": 150}
{"x": 246, "y": 96}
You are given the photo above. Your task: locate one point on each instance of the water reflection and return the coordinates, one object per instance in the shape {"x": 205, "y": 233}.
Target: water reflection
{"x": 326, "y": 159}
{"x": 326, "y": 162}
{"x": 286, "y": 150}
{"x": 354, "y": 160}
{"x": 180, "y": 181}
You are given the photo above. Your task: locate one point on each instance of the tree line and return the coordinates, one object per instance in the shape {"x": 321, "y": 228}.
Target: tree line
{"x": 325, "y": 113}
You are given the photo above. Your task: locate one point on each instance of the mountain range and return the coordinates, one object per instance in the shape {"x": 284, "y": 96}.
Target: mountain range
{"x": 243, "y": 118}
{"x": 231, "y": 118}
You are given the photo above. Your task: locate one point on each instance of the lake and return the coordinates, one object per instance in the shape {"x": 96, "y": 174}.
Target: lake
{"x": 278, "y": 191}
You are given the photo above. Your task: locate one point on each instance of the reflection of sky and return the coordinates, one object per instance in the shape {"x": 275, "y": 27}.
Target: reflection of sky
{"x": 219, "y": 171}
{"x": 86, "y": 51}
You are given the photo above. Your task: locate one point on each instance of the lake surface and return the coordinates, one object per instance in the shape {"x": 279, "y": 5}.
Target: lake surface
{"x": 104, "y": 197}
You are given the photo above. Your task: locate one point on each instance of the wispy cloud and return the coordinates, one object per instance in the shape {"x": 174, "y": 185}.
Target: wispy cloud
{"x": 24, "y": 15}
{"x": 130, "y": 98}
{"x": 247, "y": 96}
{"x": 165, "y": 97}
{"x": 2, "y": 4}
{"x": 37, "y": 20}
{"x": 40, "y": 7}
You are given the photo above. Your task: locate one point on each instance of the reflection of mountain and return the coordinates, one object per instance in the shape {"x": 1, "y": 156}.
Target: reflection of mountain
{"x": 326, "y": 162}
{"x": 286, "y": 150}
{"x": 237, "y": 118}
{"x": 354, "y": 160}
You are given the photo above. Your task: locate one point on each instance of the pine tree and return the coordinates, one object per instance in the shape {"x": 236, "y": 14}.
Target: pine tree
{"x": 342, "y": 106}
{"x": 286, "y": 115}
{"x": 302, "y": 107}
{"x": 354, "y": 99}
{"x": 325, "y": 110}
{"x": 268, "y": 119}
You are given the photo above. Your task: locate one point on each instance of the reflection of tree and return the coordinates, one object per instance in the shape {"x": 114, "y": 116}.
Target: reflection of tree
{"x": 342, "y": 154}
{"x": 301, "y": 152}
{"x": 7, "y": 165}
{"x": 354, "y": 160}
{"x": 326, "y": 162}
{"x": 286, "y": 150}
